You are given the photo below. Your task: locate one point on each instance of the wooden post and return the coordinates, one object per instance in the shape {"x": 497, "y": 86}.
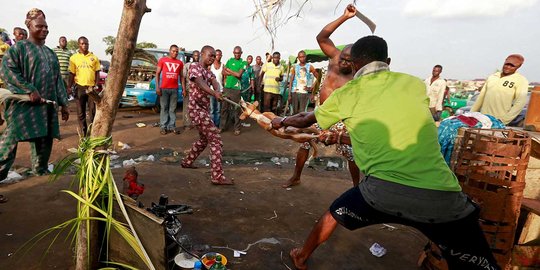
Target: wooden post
{"x": 124, "y": 47}
{"x": 106, "y": 108}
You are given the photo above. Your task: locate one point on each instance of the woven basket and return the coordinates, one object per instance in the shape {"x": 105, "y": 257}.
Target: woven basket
{"x": 490, "y": 165}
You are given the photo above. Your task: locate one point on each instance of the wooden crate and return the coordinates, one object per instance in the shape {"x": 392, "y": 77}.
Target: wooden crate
{"x": 490, "y": 165}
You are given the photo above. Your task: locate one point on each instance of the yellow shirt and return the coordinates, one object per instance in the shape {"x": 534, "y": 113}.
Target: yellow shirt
{"x": 84, "y": 67}
{"x": 271, "y": 71}
{"x": 502, "y": 97}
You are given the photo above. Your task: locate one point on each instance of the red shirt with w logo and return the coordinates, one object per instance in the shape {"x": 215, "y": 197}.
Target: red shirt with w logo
{"x": 170, "y": 72}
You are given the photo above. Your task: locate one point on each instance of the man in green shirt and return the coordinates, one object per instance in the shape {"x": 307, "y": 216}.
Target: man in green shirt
{"x": 248, "y": 80}
{"x": 232, "y": 71}
{"x": 396, "y": 147}
{"x": 30, "y": 67}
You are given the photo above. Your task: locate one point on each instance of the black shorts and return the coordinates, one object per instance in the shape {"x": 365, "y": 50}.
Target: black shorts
{"x": 462, "y": 242}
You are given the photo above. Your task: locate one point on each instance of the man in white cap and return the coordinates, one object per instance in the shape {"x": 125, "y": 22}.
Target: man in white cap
{"x": 505, "y": 92}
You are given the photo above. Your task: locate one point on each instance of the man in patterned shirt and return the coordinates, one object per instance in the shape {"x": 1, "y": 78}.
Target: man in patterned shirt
{"x": 200, "y": 79}
{"x": 30, "y": 67}
{"x": 63, "y": 55}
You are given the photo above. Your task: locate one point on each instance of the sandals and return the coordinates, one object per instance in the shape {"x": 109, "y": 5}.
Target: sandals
{"x": 222, "y": 182}
{"x": 188, "y": 166}
{"x": 236, "y": 132}
{"x": 3, "y": 199}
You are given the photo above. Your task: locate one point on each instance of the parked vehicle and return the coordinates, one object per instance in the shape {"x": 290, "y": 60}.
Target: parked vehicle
{"x": 139, "y": 91}
{"x": 516, "y": 122}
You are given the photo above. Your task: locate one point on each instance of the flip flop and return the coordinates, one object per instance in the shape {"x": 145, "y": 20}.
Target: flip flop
{"x": 188, "y": 166}
{"x": 3, "y": 199}
{"x": 226, "y": 182}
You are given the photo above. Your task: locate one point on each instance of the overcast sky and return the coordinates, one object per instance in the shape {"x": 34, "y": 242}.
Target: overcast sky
{"x": 469, "y": 38}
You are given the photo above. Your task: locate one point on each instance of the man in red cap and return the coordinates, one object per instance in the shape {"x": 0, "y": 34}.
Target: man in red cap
{"x": 505, "y": 92}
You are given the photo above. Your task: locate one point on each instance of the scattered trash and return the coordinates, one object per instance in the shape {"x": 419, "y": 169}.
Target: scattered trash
{"x": 9, "y": 254}
{"x": 278, "y": 161}
{"x": 140, "y": 125}
{"x": 156, "y": 124}
{"x": 275, "y": 216}
{"x": 258, "y": 163}
{"x": 237, "y": 253}
{"x": 128, "y": 163}
{"x": 113, "y": 157}
{"x": 124, "y": 146}
{"x": 288, "y": 188}
{"x": 50, "y": 167}
{"x": 9, "y": 234}
{"x": 169, "y": 159}
{"x": 145, "y": 158}
{"x": 175, "y": 154}
{"x": 332, "y": 166}
{"x": 241, "y": 192}
{"x": 246, "y": 124}
{"x": 116, "y": 166}
{"x": 255, "y": 169}
{"x": 377, "y": 250}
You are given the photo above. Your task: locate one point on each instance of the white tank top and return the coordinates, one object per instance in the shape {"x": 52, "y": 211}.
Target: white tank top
{"x": 218, "y": 74}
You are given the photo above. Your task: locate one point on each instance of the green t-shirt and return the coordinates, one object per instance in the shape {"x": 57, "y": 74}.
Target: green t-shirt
{"x": 392, "y": 131}
{"x": 232, "y": 82}
{"x": 247, "y": 76}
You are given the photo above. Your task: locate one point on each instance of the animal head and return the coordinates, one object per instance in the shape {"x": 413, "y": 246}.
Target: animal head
{"x": 248, "y": 109}
{"x": 131, "y": 174}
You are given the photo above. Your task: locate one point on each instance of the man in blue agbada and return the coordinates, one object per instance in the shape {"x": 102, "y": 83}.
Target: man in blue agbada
{"x": 29, "y": 67}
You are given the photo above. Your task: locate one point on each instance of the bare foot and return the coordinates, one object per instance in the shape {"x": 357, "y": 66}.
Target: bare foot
{"x": 299, "y": 263}
{"x": 291, "y": 182}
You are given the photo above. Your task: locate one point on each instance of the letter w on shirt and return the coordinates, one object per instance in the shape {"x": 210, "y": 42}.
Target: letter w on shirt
{"x": 172, "y": 66}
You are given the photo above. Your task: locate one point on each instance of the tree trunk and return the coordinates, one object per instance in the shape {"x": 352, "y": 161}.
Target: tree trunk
{"x": 106, "y": 108}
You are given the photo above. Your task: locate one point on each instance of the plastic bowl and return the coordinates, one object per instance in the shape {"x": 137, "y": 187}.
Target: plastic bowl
{"x": 209, "y": 259}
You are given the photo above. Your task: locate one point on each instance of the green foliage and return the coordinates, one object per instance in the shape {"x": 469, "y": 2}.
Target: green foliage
{"x": 96, "y": 194}
{"x": 110, "y": 40}
{"x": 144, "y": 44}
{"x": 72, "y": 45}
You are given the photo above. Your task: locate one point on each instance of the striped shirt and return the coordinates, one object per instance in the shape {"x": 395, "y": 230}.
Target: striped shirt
{"x": 63, "y": 56}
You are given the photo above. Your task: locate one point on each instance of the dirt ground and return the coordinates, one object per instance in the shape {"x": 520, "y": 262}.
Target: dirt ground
{"x": 234, "y": 216}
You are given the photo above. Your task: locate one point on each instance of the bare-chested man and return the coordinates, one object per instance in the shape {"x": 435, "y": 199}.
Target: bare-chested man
{"x": 339, "y": 72}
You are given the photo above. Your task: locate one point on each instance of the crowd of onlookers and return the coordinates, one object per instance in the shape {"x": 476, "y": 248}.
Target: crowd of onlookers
{"x": 382, "y": 121}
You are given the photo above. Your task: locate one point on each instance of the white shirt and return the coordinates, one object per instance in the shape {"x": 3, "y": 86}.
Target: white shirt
{"x": 435, "y": 92}
{"x": 219, "y": 75}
